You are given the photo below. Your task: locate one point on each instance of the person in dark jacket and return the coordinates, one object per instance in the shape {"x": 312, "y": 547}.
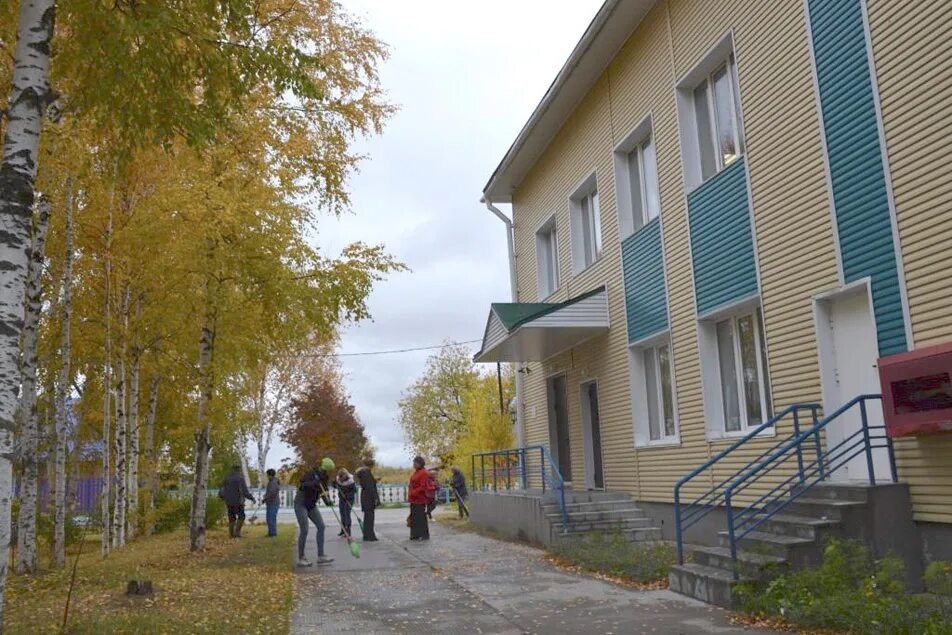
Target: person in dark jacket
{"x": 418, "y": 497}
{"x": 369, "y": 498}
{"x": 313, "y": 485}
{"x": 459, "y": 488}
{"x": 234, "y": 491}
{"x": 346, "y": 495}
{"x": 435, "y": 487}
{"x": 272, "y": 502}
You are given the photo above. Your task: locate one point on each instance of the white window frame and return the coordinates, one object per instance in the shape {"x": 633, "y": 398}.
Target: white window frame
{"x": 585, "y": 199}
{"x": 632, "y": 216}
{"x": 547, "y": 266}
{"x": 639, "y": 393}
{"x": 712, "y": 380}
{"x": 720, "y": 55}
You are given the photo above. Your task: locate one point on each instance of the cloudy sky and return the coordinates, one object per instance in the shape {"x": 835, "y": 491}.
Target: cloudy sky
{"x": 466, "y": 76}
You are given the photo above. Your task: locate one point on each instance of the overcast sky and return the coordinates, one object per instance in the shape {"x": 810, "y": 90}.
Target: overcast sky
{"x": 466, "y": 76}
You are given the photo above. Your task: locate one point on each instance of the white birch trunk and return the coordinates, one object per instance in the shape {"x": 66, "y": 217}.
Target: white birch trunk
{"x": 62, "y": 392}
{"x": 244, "y": 462}
{"x": 203, "y": 435}
{"x": 150, "y": 453}
{"x": 121, "y": 478}
{"x": 29, "y": 419}
{"x": 262, "y": 438}
{"x": 132, "y": 514}
{"x": 106, "y": 496}
{"x": 29, "y": 94}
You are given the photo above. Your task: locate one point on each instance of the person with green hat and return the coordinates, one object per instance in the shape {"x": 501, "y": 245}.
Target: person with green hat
{"x": 313, "y": 485}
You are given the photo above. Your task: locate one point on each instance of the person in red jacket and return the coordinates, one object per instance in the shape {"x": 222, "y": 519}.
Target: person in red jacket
{"x": 419, "y": 485}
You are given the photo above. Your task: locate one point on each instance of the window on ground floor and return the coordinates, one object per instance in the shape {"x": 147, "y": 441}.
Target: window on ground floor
{"x": 652, "y": 393}
{"x": 743, "y": 383}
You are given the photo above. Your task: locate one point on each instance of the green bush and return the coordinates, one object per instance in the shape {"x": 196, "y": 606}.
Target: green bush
{"x": 848, "y": 592}
{"x": 938, "y": 578}
{"x": 613, "y": 554}
{"x": 173, "y": 512}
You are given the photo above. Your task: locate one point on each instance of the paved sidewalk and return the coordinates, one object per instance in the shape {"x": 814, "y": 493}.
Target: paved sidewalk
{"x": 460, "y": 582}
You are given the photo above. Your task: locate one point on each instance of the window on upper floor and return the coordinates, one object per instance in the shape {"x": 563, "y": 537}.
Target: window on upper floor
{"x": 636, "y": 177}
{"x": 710, "y": 121}
{"x": 742, "y": 371}
{"x": 652, "y": 393}
{"x": 547, "y": 259}
{"x": 586, "y": 225}
{"x": 717, "y": 117}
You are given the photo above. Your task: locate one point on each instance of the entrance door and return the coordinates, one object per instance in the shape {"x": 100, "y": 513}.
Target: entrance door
{"x": 559, "y": 426}
{"x": 848, "y": 356}
{"x": 592, "y": 434}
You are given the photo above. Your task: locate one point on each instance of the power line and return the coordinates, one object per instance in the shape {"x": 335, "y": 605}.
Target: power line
{"x": 396, "y": 350}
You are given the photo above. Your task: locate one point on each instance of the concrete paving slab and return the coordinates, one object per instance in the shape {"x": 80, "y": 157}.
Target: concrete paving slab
{"x": 461, "y": 582}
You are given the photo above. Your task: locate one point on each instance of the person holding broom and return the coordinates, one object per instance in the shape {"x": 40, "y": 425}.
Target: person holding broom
{"x": 369, "y": 498}
{"x": 418, "y": 497}
{"x": 459, "y": 488}
{"x": 313, "y": 485}
{"x": 346, "y": 495}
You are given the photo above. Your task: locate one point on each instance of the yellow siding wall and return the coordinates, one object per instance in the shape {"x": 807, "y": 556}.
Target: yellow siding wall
{"x": 913, "y": 55}
{"x": 792, "y": 221}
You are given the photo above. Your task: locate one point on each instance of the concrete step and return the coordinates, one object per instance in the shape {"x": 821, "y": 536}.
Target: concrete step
{"x": 749, "y": 564}
{"x": 707, "y": 584}
{"x": 552, "y": 508}
{"x": 800, "y": 526}
{"x": 588, "y": 516}
{"x": 607, "y": 525}
{"x": 855, "y": 492}
{"x": 821, "y": 508}
{"x": 797, "y": 551}
{"x": 631, "y": 534}
{"x": 590, "y": 497}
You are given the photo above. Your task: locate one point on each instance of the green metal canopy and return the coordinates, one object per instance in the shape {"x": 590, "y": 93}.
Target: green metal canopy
{"x": 534, "y": 331}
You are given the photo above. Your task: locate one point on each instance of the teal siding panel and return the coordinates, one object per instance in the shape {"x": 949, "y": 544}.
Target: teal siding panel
{"x": 722, "y": 246}
{"x": 860, "y": 196}
{"x": 646, "y": 301}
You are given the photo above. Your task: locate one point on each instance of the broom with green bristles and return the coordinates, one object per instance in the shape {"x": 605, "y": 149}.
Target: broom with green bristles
{"x": 353, "y": 544}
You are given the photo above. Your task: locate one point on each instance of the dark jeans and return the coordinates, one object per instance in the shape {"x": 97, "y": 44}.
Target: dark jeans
{"x": 303, "y": 514}
{"x": 461, "y": 503}
{"x": 369, "y": 524}
{"x": 345, "y": 519}
{"x": 236, "y": 512}
{"x": 419, "y": 527}
{"x": 271, "y": 515}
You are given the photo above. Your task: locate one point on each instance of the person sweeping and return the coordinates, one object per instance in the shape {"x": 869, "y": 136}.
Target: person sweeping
{"x": 369, "y": 499}
{"x": 313, "y": 485}
{"x": 346, "y": 495}
{"x": 459, "y": 488}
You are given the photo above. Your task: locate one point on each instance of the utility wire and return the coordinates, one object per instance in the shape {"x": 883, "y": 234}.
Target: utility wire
{"x": 393, "y": 351}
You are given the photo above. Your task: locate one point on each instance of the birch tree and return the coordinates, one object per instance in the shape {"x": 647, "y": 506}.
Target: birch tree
{"x": 29, "y": 418}
{"x": 150, "y": 450}
{"x": 29, "y": 97}
{"x": 61, "y": 409}
{"x": 121, "y": 478}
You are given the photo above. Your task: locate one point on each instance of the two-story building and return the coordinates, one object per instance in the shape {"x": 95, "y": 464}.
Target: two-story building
{"x": 721, "y": 209}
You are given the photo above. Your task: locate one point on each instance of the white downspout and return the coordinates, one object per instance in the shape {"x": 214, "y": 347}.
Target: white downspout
{"x": 514, "y": 288}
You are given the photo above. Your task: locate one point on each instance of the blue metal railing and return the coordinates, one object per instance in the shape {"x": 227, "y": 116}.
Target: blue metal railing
{"x": 510, "y": 470}
{"x": 696, "y": 510}
{"x": 861, "y": 442}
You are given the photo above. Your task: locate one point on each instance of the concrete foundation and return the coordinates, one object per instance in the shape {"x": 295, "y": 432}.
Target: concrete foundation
{"x": 515, "y": 515}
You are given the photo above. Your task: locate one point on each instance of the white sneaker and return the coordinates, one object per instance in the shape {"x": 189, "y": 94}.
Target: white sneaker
{"x": 324, "y": 560}
{"x": 303, "y": 562}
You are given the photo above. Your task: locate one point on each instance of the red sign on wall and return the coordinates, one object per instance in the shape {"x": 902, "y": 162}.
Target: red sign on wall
{"x": 917, "y": 391}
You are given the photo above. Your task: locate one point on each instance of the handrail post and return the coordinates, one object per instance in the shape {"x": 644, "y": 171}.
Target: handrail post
{"x": 482, "y": 472}
{"x": 677, "y": 522}
{"x": 473, "y": 473}
{"x": 730, "y": 531}
{"x": 819, "y": 453}
{"x": 508, "y": 474}
{"x": 892, "y": 458}
{"x": 524, "y": 467}
{"x": 542, "y": 466}
{"x": 866, "y": 441}
{"x": 796, "y": 432}
{"x": 494, "y": 472}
